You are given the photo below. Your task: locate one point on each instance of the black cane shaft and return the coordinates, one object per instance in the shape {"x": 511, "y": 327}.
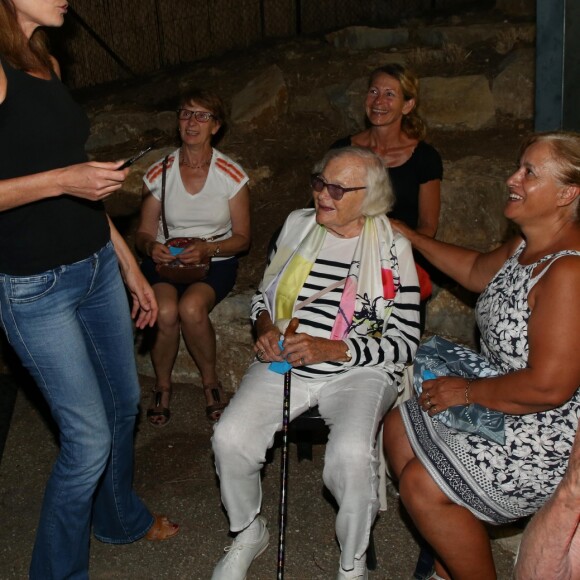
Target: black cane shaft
{"x": 284, "y": 476}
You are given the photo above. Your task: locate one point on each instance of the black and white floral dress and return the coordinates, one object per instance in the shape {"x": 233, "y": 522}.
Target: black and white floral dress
{"x": 500, "y": 483}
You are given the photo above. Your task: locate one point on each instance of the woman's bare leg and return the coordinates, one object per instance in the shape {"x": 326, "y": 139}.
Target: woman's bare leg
{"x": 166, "y": 343}
{"x": 163, "y": 353}
{"x": 459, "y": 539}
{"x": 198, "y": 332}
{"x": 398, "y": 451}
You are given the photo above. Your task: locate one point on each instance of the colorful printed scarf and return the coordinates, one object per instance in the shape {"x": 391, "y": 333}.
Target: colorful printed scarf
{"x": 370, "y": 287}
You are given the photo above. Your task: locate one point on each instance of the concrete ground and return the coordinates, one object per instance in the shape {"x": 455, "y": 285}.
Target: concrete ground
{"x": 175, "y": 475}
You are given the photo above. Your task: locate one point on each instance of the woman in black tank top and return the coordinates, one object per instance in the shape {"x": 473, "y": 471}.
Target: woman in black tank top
{"x": 64, "y": 307}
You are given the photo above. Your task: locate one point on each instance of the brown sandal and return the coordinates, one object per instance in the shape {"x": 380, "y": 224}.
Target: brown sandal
{"x": 157, "y": 414}
{"x": 217, "y": 401}
{"x": 162, "y": 529}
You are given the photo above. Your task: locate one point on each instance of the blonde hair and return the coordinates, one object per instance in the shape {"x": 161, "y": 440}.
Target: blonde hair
{"x": 412, "y": 124}
{"x": 565, "y": 150}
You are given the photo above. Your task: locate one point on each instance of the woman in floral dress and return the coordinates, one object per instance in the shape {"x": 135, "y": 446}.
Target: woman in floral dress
{"x": 528, "y": 313}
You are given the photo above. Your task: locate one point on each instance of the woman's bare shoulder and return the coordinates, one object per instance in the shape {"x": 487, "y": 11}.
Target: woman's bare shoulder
{"x": 55, "y": 66}
{"x": 559, "y": 277}
{"x": 3, "y": 84}
{"x": 361, "y": 139}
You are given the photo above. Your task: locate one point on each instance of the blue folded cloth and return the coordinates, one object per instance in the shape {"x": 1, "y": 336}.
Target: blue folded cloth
{"x": 438, "y": 357}
{"x": 280, "y": 367}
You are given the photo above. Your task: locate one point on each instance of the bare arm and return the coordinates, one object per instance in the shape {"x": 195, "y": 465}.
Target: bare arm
{"x": 144, "y": 307}
{"x": 550, "y": 546}
{"x": 146, "y": 235}
{"x": 94, "y": 181}
{"x": 553, "y": 372}
{"x": 429, "y": 208}
{"x": 470, "y": 268}
{"x": 240, "y": 216}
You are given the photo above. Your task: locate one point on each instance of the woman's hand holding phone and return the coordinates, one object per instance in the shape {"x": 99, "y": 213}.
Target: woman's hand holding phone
{"x": 160, "y": 253}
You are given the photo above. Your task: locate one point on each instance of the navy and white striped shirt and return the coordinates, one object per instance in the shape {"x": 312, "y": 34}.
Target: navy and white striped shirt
{"x": 395, "y": 349}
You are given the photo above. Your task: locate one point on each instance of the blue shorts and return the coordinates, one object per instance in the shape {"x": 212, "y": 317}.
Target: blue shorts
{"x": 221, "y": 277}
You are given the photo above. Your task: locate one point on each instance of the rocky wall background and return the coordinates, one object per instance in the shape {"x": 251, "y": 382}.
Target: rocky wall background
{"x": 291, "y": 100}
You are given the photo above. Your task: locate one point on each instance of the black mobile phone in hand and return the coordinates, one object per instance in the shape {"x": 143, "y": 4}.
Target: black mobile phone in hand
{"x": 130, "y": 162}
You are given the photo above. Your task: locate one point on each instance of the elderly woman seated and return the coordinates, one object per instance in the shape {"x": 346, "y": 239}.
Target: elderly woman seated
{"x": 451, "y": 481}
{"x": 340, "y": 272}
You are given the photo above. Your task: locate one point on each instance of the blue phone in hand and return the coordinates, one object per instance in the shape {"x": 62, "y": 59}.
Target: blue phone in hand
{"x": 175, "y": 251}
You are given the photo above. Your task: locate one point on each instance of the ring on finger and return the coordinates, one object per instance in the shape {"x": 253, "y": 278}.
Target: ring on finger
{"x": 302, "y": 362}
{"x": 260, "y": 355}
{"x": 433, "y": 408}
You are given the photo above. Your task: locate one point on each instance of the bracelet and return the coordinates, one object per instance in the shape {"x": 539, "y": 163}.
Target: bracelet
{"x": 467, "y": 387}
{"x": 217, "y": 250}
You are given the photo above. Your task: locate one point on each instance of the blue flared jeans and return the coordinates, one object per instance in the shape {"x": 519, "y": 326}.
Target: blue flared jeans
{"x": 72, "y": 330}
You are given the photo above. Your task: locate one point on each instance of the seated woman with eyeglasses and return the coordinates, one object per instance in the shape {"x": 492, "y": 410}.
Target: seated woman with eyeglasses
{"x": 206, "y": 197}
{"x": 349, "y": 283}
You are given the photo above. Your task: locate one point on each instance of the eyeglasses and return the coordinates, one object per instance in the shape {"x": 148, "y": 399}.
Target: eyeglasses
{"x": 335, "y": 191}
{"x": 199, "y": 116}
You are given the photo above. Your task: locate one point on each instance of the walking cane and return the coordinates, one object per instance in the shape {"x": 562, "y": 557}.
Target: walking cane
{"x": 284, "y": 476}
{"x": 287, "y": 370}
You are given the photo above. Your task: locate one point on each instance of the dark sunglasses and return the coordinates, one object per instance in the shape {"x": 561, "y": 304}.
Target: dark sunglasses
{"x": 335, "y": 191}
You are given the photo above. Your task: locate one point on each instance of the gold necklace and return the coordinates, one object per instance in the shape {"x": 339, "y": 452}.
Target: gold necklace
{"x": 182, "y": 161}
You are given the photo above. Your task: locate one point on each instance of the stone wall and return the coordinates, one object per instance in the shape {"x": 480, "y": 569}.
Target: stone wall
{"x": 473, "y": 191}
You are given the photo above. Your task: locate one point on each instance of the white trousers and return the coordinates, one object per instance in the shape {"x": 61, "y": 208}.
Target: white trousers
{"x": 352, "y": 404}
